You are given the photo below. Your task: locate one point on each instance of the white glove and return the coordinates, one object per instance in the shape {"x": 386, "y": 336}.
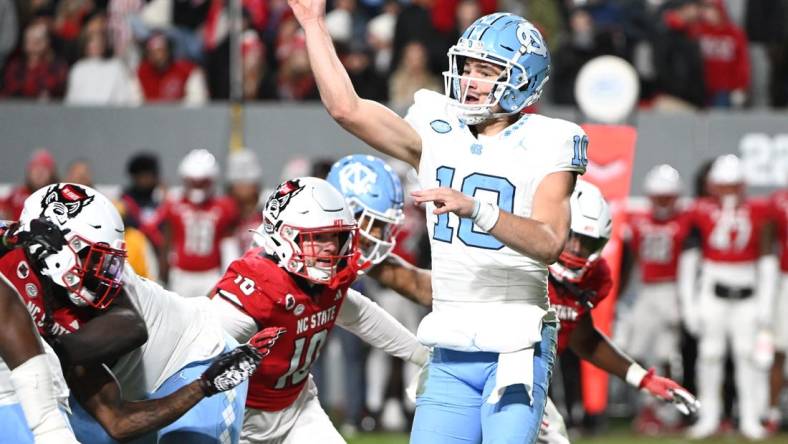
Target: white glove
{"x": 684, "y": 401}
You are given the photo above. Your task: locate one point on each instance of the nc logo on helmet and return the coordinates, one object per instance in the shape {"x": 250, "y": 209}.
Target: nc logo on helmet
{"x": 357, "y": 178}
{"x": 63, "y": 203}
{"x": 530, "y": 40}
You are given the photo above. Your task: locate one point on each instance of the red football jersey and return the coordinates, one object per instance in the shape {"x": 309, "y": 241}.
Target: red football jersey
{"x": 197, "y": 230}
{"x": 658, "y": 244}
{"x": 257, "y": 286}
{"x": 17, "y": 272}
{"x": 780, "y": 216}
{"x": 569, "y": 308}
{"x": 730, "y": 236}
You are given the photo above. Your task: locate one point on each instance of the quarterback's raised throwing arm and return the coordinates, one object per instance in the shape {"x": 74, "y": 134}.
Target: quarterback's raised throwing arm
{"x": 487, "y": 105}
{"x": 368, "y": 120}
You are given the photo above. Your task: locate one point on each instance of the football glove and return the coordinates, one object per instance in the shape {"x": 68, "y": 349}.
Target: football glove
{"x": 667, "y": 389}
{"x": 42, "y": 233}
{"x": 265, "y": 339}
{"x": 230, "y": 369}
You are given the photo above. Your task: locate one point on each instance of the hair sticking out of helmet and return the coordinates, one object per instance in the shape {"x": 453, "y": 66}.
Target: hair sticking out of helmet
{"x": 373, "y": 192}
{"x": 590, "y": 229}
{"x": 517, "y": 47}
{"x": 90, "y": 265}
{"x": 308, "y": 227}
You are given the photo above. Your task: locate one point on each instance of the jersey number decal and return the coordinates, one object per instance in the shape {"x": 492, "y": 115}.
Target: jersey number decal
{"x": 199, "y": 230}
{"x": 245, "y": 284}
{"x": 297, "y": 370}
{"x": 581, "y": 151}
{"x": 470, "y": 184}
{"x": 732, "y": 230}
{"x": 657, "y": 247}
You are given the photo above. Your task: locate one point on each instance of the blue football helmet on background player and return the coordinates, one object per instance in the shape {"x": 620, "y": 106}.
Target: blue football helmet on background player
{"x": 374, "y": 194}
{"x": 511, "y": 42}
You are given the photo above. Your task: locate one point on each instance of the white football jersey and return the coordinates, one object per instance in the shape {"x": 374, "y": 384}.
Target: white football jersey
{"x": 469, "y": 265}
{"x": 180, "y": 331}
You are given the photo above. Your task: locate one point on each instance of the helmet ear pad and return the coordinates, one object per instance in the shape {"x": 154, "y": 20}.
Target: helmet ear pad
{"x": 513, "y": 100}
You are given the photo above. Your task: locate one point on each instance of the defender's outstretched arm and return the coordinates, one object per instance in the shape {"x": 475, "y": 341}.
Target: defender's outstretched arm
{"x": 99, "y": 393}
{"x": 595, "y": 347}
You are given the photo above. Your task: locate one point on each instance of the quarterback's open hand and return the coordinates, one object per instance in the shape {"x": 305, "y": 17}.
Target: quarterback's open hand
{"x": 229, "y": 370}
{"x": 667, "y": 389}
{"x": 306, "y": 11}
{"x": 265, "y": 339}
{"x": 446, "y": 200}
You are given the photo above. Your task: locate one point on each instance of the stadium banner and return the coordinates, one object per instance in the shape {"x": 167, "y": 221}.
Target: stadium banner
{"x": 611, "y": 156}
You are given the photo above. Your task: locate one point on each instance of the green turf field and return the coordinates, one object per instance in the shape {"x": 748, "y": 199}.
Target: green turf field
{"x": 614, "y": 437}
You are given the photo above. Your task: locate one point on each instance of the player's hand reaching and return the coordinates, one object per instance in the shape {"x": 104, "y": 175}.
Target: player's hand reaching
{"x": 307, "y": 11}
{"x": 667, "y": 389}
{"x": 265, "y": 339}
{"x": 230, "y": 369}
{"x": 447, "y": 200}
{"x": 42, "y": 233}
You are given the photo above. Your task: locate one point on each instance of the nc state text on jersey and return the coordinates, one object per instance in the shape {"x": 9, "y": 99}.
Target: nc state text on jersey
{"x": 316, "y": 320}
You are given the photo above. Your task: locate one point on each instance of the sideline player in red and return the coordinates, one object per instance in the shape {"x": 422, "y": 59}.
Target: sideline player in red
{"x": 654, "y": 239}
{"x": 198, "y": 223}
{"x": 300, "y": 279}
{"x": 731, "y": 299}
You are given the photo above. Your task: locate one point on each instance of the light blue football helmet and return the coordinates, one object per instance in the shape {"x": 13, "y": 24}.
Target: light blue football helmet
{"x": 374, "y": 194}
{"x": 509, "y": 41}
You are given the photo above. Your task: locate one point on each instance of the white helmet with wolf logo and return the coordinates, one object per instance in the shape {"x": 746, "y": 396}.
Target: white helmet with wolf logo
{"x": 90, "y": 265}
{"x": 300, "y": 209}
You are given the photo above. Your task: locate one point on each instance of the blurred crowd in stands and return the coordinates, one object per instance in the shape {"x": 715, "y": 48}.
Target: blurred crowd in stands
{"x": 688, "y": 53}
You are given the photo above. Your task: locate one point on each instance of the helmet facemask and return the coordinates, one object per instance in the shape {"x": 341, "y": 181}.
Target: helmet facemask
{"x": 332, "y": 270}
{"x": 91, "y": 273}
{"x": 579, "y": 255}
{"x": 378, "y": 233}
{"x": 197, "y": 191}
{"x": 505, "y": 97}
{"x": 663, "y": 206}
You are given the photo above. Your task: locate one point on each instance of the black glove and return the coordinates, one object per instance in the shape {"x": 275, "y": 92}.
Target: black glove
{"x": 230, "y": 369}
{"x": 42, "y": 232}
